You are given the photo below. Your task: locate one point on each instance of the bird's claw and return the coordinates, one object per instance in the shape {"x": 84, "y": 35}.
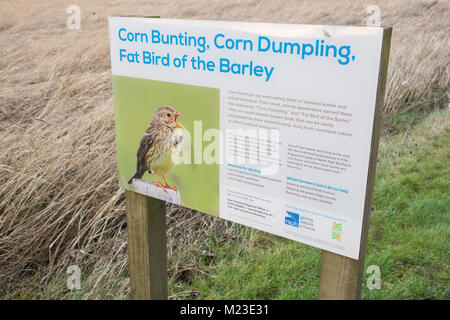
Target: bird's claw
{"x": 171, "y": 188}
{"x": 159, "y": 185}
{"x": 164, "y": 187}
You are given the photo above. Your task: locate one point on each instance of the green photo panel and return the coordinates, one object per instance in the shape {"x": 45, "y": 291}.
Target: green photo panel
{"x": 136, "y": 101}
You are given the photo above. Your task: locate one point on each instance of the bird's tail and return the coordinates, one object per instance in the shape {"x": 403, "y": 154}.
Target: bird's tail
{"x": 137, "y": 175}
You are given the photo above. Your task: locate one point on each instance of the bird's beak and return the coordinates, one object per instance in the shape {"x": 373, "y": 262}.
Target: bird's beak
{"x": 179, "y": 125}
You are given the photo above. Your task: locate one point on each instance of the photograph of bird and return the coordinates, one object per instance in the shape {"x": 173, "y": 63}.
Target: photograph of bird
{"x": 162, "y": 139}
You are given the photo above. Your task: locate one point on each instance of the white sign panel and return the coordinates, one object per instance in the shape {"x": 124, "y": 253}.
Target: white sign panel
{"x": 277, "y": 121}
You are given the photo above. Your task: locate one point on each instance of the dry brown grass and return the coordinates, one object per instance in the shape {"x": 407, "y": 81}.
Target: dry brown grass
{"x": 59, "y": 199}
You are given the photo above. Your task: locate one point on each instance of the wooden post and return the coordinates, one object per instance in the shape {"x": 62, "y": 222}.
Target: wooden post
{"x": 338, "y": 277}
{"x": 341, "y": 277}
{"x": 147, "y": 248}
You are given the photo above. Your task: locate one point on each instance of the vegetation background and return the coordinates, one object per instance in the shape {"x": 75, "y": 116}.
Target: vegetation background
{"x": 60, "y": 203}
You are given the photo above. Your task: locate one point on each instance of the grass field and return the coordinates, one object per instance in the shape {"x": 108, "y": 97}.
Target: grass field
{"x": 408, "y": 236}
{"x": 59, "y": 198}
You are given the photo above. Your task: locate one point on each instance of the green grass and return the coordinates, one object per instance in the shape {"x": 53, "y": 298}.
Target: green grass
{"x": 408, "y": 236}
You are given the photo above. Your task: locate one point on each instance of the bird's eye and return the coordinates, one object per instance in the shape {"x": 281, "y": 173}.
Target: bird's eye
{"x": 168, "y": 115}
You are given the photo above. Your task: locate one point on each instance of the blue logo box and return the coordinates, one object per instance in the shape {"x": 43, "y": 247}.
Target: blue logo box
{"x": 292, "y": 219}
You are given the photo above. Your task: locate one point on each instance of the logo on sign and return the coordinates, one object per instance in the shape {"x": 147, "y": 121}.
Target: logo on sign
{"x": 336, "y": 231}
{"x": 293, "y": 219}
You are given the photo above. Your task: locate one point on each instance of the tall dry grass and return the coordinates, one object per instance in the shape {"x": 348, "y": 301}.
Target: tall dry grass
{"x": 59, "y": 198}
